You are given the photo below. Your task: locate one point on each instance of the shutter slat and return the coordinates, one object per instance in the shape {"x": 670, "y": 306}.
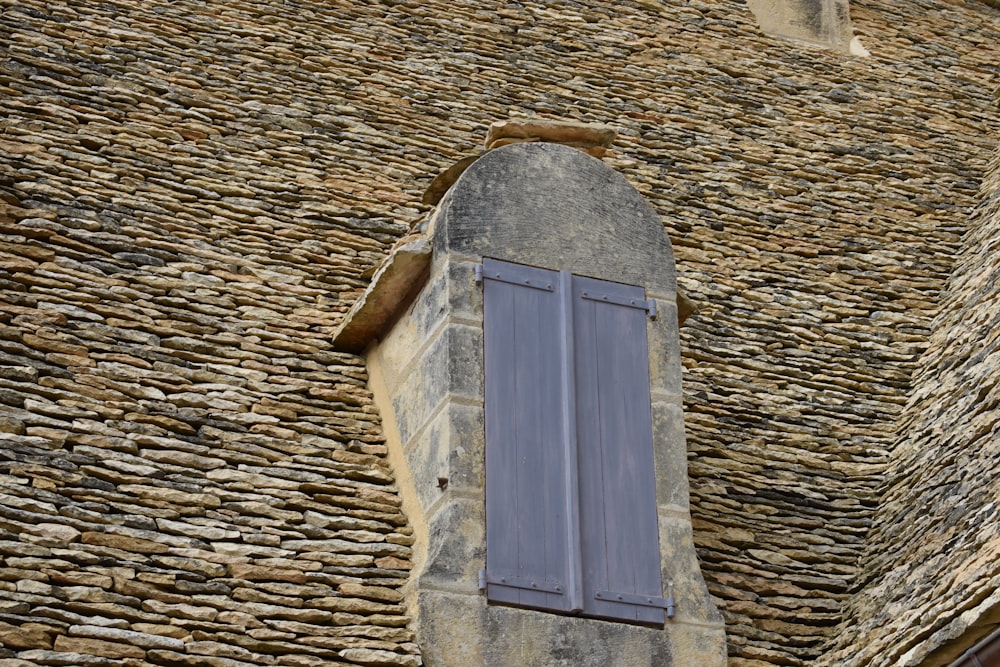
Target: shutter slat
{"x": 502, "y": 510}
{"x": 589, "y": 453}
{"x": 539, "y": 455}
{"x": 574, "y": 565}
{"x": 630, "y": 499}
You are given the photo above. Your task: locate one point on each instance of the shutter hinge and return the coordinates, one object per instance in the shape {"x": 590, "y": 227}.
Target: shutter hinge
{"x": 482, "y": 580}
{"x": 627, "y": 598}
{"x": 513, "y": 277}
{"x": 649, "y": 305}
{"x": 524, "y": 583}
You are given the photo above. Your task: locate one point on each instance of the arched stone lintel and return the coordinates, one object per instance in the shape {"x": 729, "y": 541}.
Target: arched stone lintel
{"x": 555, "y": 207}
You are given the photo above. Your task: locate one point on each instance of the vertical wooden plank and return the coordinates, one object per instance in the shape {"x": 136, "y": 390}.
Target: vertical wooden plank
{"x": 574, "y": 565}
{"x": 630, "y": 497}
{"x": 533, "y": 381}
{"x": 502, "y": 504}
{"x": 625, "y": 548}
{"x": 589, "y": 452}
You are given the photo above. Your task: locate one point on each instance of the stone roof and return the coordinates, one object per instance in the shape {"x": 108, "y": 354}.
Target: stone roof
{"x": 193, "y": 194}
{"x": 941, "y": 495}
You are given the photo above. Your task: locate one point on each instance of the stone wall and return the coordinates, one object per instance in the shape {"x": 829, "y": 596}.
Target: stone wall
{"x": 198, "y": 191}
{"x": 931, "y": 569}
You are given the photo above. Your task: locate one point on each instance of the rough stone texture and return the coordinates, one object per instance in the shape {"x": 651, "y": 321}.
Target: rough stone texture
{"x": 189, "y": 475}
{"x": 545, "y": 205}
{"x": 193, "y": 193}
{"x": 940, "y": 503}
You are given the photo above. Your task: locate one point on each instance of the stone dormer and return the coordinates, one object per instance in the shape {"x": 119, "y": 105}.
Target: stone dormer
{"x": 524, "y": 354}
{"x": 825, "y": 23}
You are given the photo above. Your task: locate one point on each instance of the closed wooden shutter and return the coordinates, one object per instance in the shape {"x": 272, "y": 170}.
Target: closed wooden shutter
{"x": 570, "y": 498}
{"x": 618, "y": 520}
{"x": 526, "y": 492}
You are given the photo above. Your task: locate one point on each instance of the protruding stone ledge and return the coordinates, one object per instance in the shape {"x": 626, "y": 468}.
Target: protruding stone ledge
{"x": 592, "y": 138}
{"x": 394, "y": 285}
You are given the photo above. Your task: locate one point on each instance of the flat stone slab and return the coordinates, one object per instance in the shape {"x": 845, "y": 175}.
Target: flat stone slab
{"x": 592, "y": 138}
{"x": 394, "y": 285}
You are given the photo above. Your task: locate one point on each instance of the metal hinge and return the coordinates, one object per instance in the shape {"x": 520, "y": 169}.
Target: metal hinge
{"x": 641, "y": 600}
{"x": 649, "y": 305}
{"x": 505, "y": 275}
{"x": 525, "y": 583}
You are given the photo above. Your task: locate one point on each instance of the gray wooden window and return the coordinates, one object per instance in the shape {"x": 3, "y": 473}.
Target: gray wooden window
{"x": 571, "y": 523}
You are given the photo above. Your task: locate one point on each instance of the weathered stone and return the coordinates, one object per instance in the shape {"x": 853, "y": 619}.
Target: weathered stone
{"x": 398, "y": 280}
{"x": 316, "y": 613}
{"x": 207, "y": 569}
{"x": 258, "y": 573}
{"x": 192, "y": 529}
{"x": 60, "y": 533}
{"x": 88, "y": 646}
{"x": 162, "y": 657}
{"x": 63, "y": 659}
{"x": 591, "y": 138}
{"x": 15, "y": 637}
{"x": 181, "y": 611}
{"x": 370, "y": 592}
{"x": 353, "y": 606}
{"x": 124, "y": 542}
{"x": 377, "y": 658}
{"x": 347, "y": 547}
{"x": 184, "y": 459}
{"x": 163, "y": 631}
{"x": 392, "y": 563}
{"x": 219, "y": 649}
{"x": 167, "y": 494}
{"x": 253, "y": 480}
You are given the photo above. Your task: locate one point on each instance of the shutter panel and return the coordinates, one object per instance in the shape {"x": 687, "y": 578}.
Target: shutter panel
{"x": 527, "y": 552}
{"x": 618, "y": 520}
